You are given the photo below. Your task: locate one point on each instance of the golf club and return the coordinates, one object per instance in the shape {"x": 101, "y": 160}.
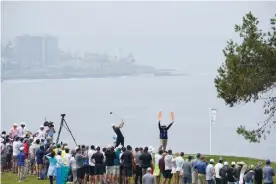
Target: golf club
{"x": 116, "y": 115}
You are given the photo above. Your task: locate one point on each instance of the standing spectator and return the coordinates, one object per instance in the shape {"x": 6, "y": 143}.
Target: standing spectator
{"x": 110, "y": 156}
{"x": 26, "y": 152}
{"x": 187, "y": 171}
{"x": 67, "y": 156}
{"x": 268, "y": 173}
{"x": 3, "y": 155}
{"x": 259, "y": 173}
{"x": 73, "y": 166}
{"x": 127, "y": 158}
{"x": 230, "y": 172}
{"x": 200, "y": 168}
{"x": 148, "y": 178}
{"x": 168, "y": 167}
{"x": 79, "y": 165}
{"x": 21, "y": 130}
{"x": 237, "y": 172}
{"x": 218, "y": 166}
{"x": 138, "y": 169}
{"x": 39, "y": 160}
{"x": 52, "y": 166}
{"x": 91, "y": 164}
{"x": 116, "y": 172}
{"x": 223, "y": 173}
{"x": 41, "y": 134}
{"x": 98, "y": 159}
{"x": 15, "y": 148}
{"x": 157, "y": 172}
{"x": 179, "y": 161}
{"x": 195, "y": 174}
{"x": 163, "y": 135}
{"x": 210, "y": 172}
{"x": 146, "y": 160}
{"x": 21, "y": 161}
{"x": 9, "y": 155}
{"x": 250, "y": 175}
{"x": 14, "y": 131}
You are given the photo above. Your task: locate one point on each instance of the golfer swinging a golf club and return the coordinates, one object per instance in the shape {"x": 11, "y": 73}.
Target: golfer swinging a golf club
{"x": 120, "y": 137}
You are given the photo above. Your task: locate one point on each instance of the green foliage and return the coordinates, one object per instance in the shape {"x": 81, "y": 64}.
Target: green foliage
{"x": 249, "y": 72}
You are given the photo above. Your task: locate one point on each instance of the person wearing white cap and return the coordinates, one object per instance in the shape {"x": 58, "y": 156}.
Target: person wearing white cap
{"x": 223, "y": 173}
{"x": 22, "y": 129}
{"x": 210, "y": 172}
{"x": 148, "y": 178}
{"x": 218, "y": 166}
{"x": 21, "y": 163}
{"x": 14, "y": 131}
{"x": 41, "y": 133}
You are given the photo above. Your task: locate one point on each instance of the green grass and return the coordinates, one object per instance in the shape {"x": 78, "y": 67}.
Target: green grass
{"x": 9, "y": 178}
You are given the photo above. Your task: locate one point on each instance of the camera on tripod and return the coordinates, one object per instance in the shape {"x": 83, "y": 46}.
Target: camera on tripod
{"x": 49, "y": 124}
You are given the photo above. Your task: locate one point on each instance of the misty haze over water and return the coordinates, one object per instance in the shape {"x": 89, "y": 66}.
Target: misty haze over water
{"x": 188, "y": 36}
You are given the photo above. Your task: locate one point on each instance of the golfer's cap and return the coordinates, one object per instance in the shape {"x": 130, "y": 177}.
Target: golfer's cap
{"x": 267, "y": 161}
{"x": 14, "y": 124}
{"x": 212, "y": 161}
{"x": 21, "y": 149}
{"x": 233, "y": 163}
{"x": 22, "y": 123}
{"x": 41, "y": 126}
{"x": 225, "y": 163}
{"x": 149, "y": 169}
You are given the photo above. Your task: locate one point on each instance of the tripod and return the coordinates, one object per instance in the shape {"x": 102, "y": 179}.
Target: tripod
{"x": 65, "y": 125}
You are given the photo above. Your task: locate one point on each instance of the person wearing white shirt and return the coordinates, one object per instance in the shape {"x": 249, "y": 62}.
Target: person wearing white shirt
{"x": 91, "y": 163}
{"x": 210, "y": 172}
{"x": 15, "y": 147}
{"x": 22, "y": 130}
{"x": 168, "y": 167}
{"x": 41, "y": 133}
{"x": 67, "y": 157}
{"x": 157, "y": 172}
{"x": 179, "y": 162}
{"x": 218, "y": 167}
{"x": 73, "y": 167}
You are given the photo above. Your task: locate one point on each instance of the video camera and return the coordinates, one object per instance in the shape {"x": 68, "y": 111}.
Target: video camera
{"x": 49, "y": 124}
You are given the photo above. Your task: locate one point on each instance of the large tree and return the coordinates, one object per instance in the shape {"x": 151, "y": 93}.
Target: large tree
{"x": 249, "y": 73}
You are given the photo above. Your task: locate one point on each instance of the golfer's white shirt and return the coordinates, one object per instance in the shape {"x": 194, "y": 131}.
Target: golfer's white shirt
{"x": 218, "y": 166}
{"x": 41, "y": 134}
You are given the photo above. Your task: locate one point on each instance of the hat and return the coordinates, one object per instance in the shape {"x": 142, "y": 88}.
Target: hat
{"x": 109, "y": 147}
{"x": 151, "y": 149}
{"x": 41, "y": 126}
{"x": 21, "y": 148}
{"x": 233, "y": 163}
{"x": 14, "y": 124}
{"x": 22, "y": 123}
{"x": 212, "y": 161}
{"x": 220, "y": 159}
{"x": 112, "y": 125}
{"x": 225, "y": 163}
{"x": 149, "y": 169}
{"x": 267, "y": 161}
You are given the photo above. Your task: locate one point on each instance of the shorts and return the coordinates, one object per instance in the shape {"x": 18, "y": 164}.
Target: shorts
{"x": 14, "y": 159}
{"x": 116, "y": 170}
{"x": 80, "y": 173}
{"x": 127, "y": 171}
{"x": 40, "y": 166}
{"x": 91, "y": 170}
{"x": 167, "y": 174}
{"x": 86, "y": 169}
{"x": 99, "y": 170}
{"x": 109, "y": 169}
{"x": 164, "y": 142}
{"x": 187, "y": 180}
{"x": 32, "y": 161}
{"x": 138, "y": 170}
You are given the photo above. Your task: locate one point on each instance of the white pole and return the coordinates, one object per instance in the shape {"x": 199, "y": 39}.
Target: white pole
{"x": 210, "y": 129}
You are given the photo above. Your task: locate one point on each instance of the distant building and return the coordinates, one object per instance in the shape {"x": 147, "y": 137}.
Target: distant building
{"x": 36, "y": 51}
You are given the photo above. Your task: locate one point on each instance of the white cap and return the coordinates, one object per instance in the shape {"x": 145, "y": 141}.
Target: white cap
{"x": 22, "y": 123}
{"x": 225, "y": 163}
{"x": 233, "y": 163}
{"x": 112, "y": 125}
{"x": 109, "y": 147}
{"x": 22, "y": 148}
{"x": 14, "y": 124}
{"x": 212, "y": 161}
{"x": 149, "y": 169}
{"x": 41, "y": 126}
{"x": 151, "y": 149}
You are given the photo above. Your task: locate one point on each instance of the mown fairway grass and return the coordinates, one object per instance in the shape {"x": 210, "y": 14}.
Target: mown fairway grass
{"x": 9, "y": 178}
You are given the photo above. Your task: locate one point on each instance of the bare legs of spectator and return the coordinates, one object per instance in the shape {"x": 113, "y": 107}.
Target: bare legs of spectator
{"x": 20, "y": 173}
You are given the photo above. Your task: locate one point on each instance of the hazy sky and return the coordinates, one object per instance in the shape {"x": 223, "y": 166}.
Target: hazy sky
{"x": 163, "y": 34}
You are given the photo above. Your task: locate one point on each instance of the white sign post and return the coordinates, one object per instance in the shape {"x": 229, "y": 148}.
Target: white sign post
{"x": 213, "y": 116}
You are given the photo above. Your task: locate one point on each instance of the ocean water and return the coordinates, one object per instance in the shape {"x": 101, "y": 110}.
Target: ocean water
{"x": 87, "y": 104}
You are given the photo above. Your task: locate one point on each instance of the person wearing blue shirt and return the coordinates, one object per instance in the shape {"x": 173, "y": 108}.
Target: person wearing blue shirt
{"x": 39, "y": 160}
{"x": 163, "y": 135}
{"x": 268, "y": 173}
{"x": 200, "y": 168}
{"x": 20, "y": 163}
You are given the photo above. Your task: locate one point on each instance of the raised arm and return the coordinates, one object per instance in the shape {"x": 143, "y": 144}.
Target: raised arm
{"x": 159, "y": 125}
{"x": 121, "y": 124}
{"x": 169, "y": 126}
